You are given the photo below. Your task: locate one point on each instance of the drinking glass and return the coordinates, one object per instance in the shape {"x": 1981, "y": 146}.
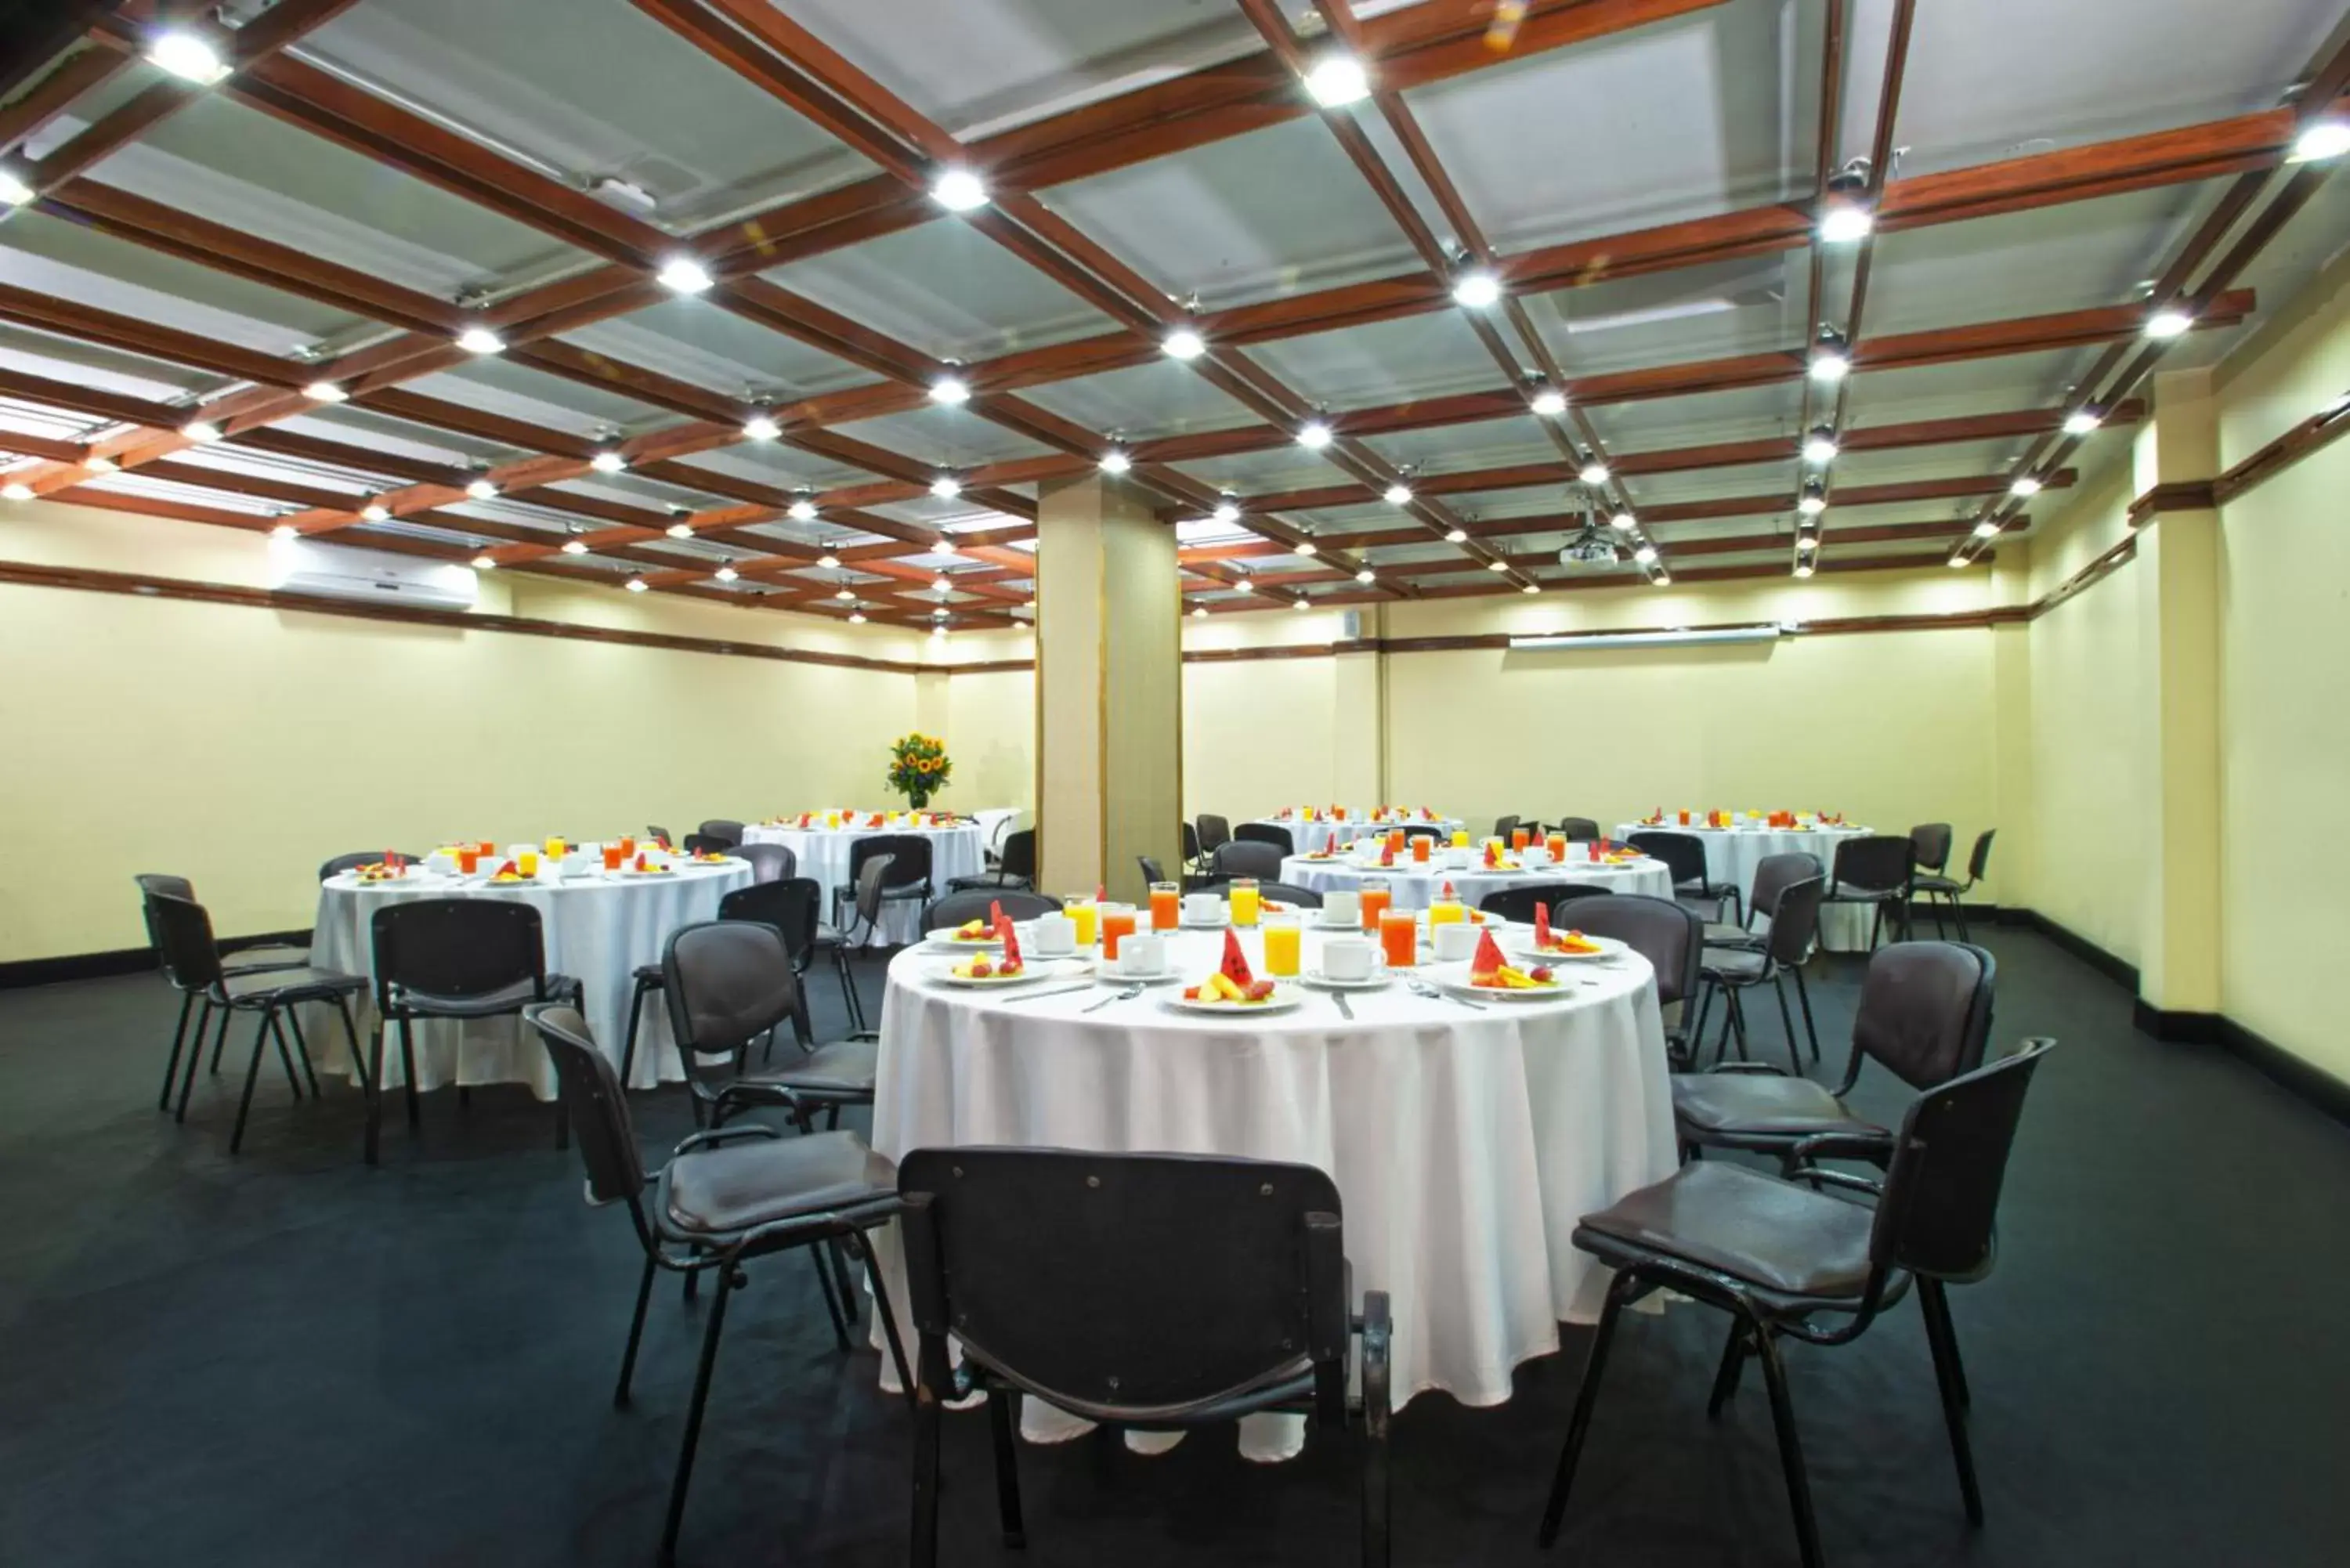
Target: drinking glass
{"x": 1087, "y": 917}
{"x": 1557, "y": 845}
{"x": 469, "y": 859}
{"x": 1460, "y": 838}
{"x": 613, "y": 853}
{"x": 1399, "y": 938}
{"x": 627, "y": 846}
{"x": 1520, "y": 837}
{"x": 1117, "y": 920}
{"x": 1166, "y": 905}
{"x": 1246, "y": 900}
{"x": 1281, "y": 942}
{"x": 1375, "y": 901}
{"x": 1420, "y": 848}
{"x": 1446, "y": 912}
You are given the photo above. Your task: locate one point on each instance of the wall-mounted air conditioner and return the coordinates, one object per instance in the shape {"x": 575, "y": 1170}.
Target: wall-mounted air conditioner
{"x": 340, "y": 572}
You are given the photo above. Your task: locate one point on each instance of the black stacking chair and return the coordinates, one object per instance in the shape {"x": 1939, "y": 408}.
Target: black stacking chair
{"x": 1773, "y": 875}
{"x": 1925, "y": 1013}
{"x": 1669, "y": 936}
{"x": 843, "y": 940}
{"x": 1931, "y": 840}
{"x": 1151, "y": 870}
{"x": 1517, "y": 903}
{"x": 907, "y": 878}
{"x": 1265, "y": 832}
{"x": 236, "y": 957}
{"x": 1249, "y": 857}
{"x": 1941, "y": 888}
{"x": 1505, "y": 826}
{"x": 184, "y": 936}
{"x": 1215, "y": 832}
{"x": 1153, "y": 1291}
{"x": 1015, "y": 867}
{"x": 1875, "y": 869}
{"x": 1788, "y": 1261}
{"x": 1683, "y": 855}
{"x": 731, "y": 984}
{"x": 769, "y": 862}
{"x": 1190, "y": 847}
{"x": 1795, "y": 925}
{"x": 973, "y": 904}
{"x": 703, "y": 844}
{"x": 723, "y": 1197}
{"x": 658, "y": 834}
{"x": 1423, "y": 830}
{"x": 790, "y": 906}
{"x": 1578, "y": 829}
{"x": 1289, "y": 893}
{"x": 724, "y": 830}
{"x": 454, "y": 958}
{"x": 357, "y": 859}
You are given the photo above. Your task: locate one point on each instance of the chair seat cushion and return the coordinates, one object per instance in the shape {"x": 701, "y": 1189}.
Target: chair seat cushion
{"x": 1721, "y": 936}
{"x": 511, "y": 998}
{"x": 1736, "y": 965}
{"x": 1936, "y": 885}
{"x": 845, "y": 1069}
{"x": 252, "y": 986}
{"x": 1756, "y": 1228}
{"x": 274, "y": 956}
{"x": 722, "y": 1191}
{"x": 1762, "y": 1104}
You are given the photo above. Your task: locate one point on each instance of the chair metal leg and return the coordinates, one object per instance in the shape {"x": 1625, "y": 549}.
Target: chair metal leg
{"x": 1725, "y": 1378}
{"x": 292, "y": 1022}
{"x": 1787, "y": 1020}
{"x": 922, "y": 1547}
{"x": 831, "y": 1302}
{"x": 729, "y": 1279}
{"x": 220, "y": 1043}
{"x": 179, "y": 1038}
{"x": 1003, "y": 1413}
{"x": 887, "y": 1316}
{"x": 1935, "y": 1307}
{"x": 195, "y": 1055}
{"x": 375, "y": 1091}
{"x": 284, "y": 1057}
{"x": 628, "y": 1050}
{"x": 635, "y": 1334}
{"x": 252, "y": 1073}
{"x": 1959, "y": 913}
{"x": 408, "y": 1068}
{"x": 1578, "y": 1426}
{"x": 1791, "y": 1450}
{"x": 1804, "y": 996}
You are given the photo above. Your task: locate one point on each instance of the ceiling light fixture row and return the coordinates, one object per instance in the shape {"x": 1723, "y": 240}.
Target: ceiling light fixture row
{"x": 1831, "y": 357}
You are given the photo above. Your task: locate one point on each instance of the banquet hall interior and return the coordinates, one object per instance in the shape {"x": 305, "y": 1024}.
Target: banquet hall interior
{"x": 1240, "y": 780}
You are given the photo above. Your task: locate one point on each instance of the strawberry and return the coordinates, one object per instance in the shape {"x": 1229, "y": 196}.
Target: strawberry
{"x": 981, "y": 969}
{"x": 1191, "y": 993}
{"x": 1256, "y": 990}
{"x": 1540, "y": 972}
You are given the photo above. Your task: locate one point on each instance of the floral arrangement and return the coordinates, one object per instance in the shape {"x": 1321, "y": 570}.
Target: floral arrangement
{"x": 918, "y": 767}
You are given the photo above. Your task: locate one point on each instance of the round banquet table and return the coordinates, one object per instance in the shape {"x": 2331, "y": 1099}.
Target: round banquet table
{"x": 1731, "y": 854}
{"x": 596, "y": 929}
{"x": 1310, "y": 837}
{"x": 1415, "y": 889}
{"x": 823, "y": 854}
{"x": 1466, "y": 1143}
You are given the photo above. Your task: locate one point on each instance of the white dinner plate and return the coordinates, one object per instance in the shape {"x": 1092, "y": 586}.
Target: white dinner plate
{"x": 1218, "y": 924}
{"x": 1284, "y": 997}
{"x": 1034, "y": 971}
{"x": 1376, "y": 978}
{"x": 948, "y": 942}
{"x": 1454, "y": 978}
{"x": 1522, "y": 942}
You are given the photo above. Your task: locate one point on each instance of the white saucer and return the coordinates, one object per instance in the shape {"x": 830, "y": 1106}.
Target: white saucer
{"x": 1330, "y": 982}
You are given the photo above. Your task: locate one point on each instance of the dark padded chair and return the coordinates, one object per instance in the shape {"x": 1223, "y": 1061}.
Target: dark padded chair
{"x": 1517, "y": 903}
{"x": 1215, "y": 832}
{"x": 703, "y": 844}
{"x": 790, "y": 906}
{"x": 907, "y": 878}
{"x": 1190, "y": 847}
{"x": 1683, "y": 855}
{"x": 1015, "y": 867}
{"x": 725, "y": 1198}
{"x": 1875, "y": 870}
{"x": 1932, "y": 841}
{"x": 659, "y": 835}
{"x": 729, "y": 985}
{"x": 357, "y": 859}
{"x": 458, "y": 959}
{"x": 973, "y": 904}
{"x": 1152, "y": 1291}
{"x": 1265, "y": 832}
{"x": 1788, "y": 1261}
{"x": 1505, "y": 826}
{"x": 236, "y": 957}
{"x": 1578, "y": 829}
{"x": 727, "y": 832}
{"x": 1289, "y": 893}
{"x": 1795, "y": 925}
{"x": 865, "y": 920}
{"x": 769, "y": 862}
{"x": 1424, "y": 830}
{"x": 1151, "y": 870}
{"x": 1925, "y": 1014}
{"x": 1248, "y": 857}
{"x": 1669, "y": 936}
{"x": 183, "y": 937}
{"x": 1939, "y": 889}
{"x": 1773, "y": 875}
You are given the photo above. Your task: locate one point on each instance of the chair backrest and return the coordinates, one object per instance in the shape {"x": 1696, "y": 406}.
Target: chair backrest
{"x": 458, "y": 947}
{"x": 1980, "y": 861}
{"x": 1925, "y": 1010}
{"x": 1775, "y": 874}
{"x": 727, "y": 982}
{"x": 1517, "y": 903}
{"x": 1019, "y": 859}
{"x": 703, "y": 844}
{"x": 164, "y": 882}
{"x": 971, "y": 903}
{"x": 873, "y": 874}
{"x": 769, "y": 862}
{"x": 1505, "y": 825}
{"x": 1267, "y": 833}
{"x": 1246, "y": 857}
{"x": 590, "y": 1089}
{"x": 1940, "y": 1206}
{"x": 1683, "y": 854}
{"x": 1796, "y": 920}
{"x": 357, "y": 859}
{"x": 1151, "y": 870}
{"x": 1874, "y": 862}
{"x": 658, "y": 834}
{"x": 726, "y": 830}
{"x": 1932, "y": 841}
{"x": 1671, "y": 938}
{"x": 1214, "y": 832}
{"x": 1423, "y": 830}
{"x": 1191, "y": 842}
{"x": 908, "y": 853}
{"x": 1127, "y": 1283}
{"x": 1578, "y": 829}
{"x": 1289, "y": 893}
{"x": 182, "y": 934}
{"x": 792, "y": 906}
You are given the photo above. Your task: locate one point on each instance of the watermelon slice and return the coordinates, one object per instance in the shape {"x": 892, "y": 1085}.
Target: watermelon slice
{"x": 1488, "y": 959}
{"x": 1235, "y": 967}
{"x": 1011, "y": 940}
{"x": 1542, "y": 926}
{"x": 995, "y": 914}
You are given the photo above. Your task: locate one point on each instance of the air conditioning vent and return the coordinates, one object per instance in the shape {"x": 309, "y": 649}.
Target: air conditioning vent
{"x": 339, "y": 571}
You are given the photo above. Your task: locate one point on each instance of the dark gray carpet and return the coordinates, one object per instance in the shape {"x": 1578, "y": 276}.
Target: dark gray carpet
{"x": 290, "y": 1359}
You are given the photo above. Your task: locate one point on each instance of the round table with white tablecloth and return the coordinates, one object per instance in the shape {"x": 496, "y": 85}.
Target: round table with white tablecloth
{"x": 1731, "y": 855}
{"x": 1417, "y": 886}
{"x": 823, "y": 854}
{"x": 1308, "y": 836}
{"x": 1465, "y": 1142}
{"x": 597, "y": 926}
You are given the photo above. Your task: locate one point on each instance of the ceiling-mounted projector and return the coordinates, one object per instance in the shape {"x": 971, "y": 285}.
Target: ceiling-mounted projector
{"x": 1590, "y": 547}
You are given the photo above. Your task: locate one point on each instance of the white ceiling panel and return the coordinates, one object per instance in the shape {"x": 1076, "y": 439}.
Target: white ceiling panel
{"x": 946, "y": 288}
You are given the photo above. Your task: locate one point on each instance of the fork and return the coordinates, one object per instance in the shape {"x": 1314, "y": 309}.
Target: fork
{"x": 1421, "y": 988}
{"x": 1128, "y": 995}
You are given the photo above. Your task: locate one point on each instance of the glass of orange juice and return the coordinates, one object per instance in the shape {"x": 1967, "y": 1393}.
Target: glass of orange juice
{"x": 1420, "y": 848}
{"x": 527, "y": 863}
{"x": 1395, "y": 839}
{"x": 1446, "y": 912}
{"x": 1166, "y": 905}
{"x": 612, "y": 855}
{"x": 1281, "y": 942}
{"x": 1246, "y": 900}
{"x": 555, "y": 849}
{"x": 1399, "y": 937}
{"x": 627, "y": 846}
{"x": 1376, "y": 899}
{"x": 1557, "y": 845}
{"x": 469, "y": 859}
{"x": 1086, "y": 915}
{"x": 1520, "y": 837}
{"x": 1117, "y": 920}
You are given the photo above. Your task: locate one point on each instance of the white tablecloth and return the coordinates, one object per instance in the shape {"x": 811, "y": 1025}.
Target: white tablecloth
{"x": 1465, "y": 1144}
{"x": 824, "y": 855}
{"x": 1733, "y": 854}
{"x": 1415, "y": 889}
{"x": 1308, "y": 837}
{"x": 597, "y": 930}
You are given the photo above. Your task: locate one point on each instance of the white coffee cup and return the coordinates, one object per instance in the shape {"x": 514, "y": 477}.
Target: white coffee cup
{"x": 1349, "y": 958}
{"x": 1199, "y": 909}
{"x": 1141, "y": 954}
{"x": 1051, "y": 935}
{"x": 1454, "y": 940}
{"x": 1341, "y": 907}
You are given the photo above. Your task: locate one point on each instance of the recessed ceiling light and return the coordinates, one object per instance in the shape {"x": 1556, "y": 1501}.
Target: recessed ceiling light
{"x": 856, "y": 617}
{"x": 1307, "y": 547}
{"x": 1645, "y": 555}
{"x": 1366, "y": 575}
{"x": 846, "y": 595}
{"x": 2320, "y": 140}
{"x": 1623, "y": 522}
{"x": 285, "y": 531}
{"x": 1476, "y": 290}
{"x": 684, "y": 274}
{"x": 1662, "y": 580}
{"x": 1114, "y": 461}
{"x": 1497, "y": 565}
{"x": 187, "y": 56}
{"x": 14, "y": 192}
{"x": 1986, "y": 528}
{"x": 944, "y": 546}
{"x": 1456, "y": 536}
{"x": 1802, "y": 568}
{"x": 1956, "y": 561}
{"x": 759, "y": 427}
{"x": 1227, "y": 512}
{"x": 2024, "y": 485}
{"x": 1199, "y": 612}
{"x": 1593, "y": 472}
{"x": 1530, "y": 588}
{"x": 607, "y": 461}
{"x": 1550, "y": 402}
{"x": 1183, "y": 343}
{"x": 1398, "y": 494}
{"x": 1820, "y": 447}
{"x": 1807, "y": 542}
{"x": 485, "y": 562}
{"x": 2165, "y": 324}
{"x": 2081, "y": 421}
{"x": 1314, "y": 435}
{"x": 1299, "y": 603}
{"x": 959, "y": 190}
{"x": 726, "y": 574}
{"x": 1843, "y": 221}
{"x": 940, "y": 585}
{"x": 100, "y": 464}
{"x": 375, "y": 511}
{"x": 574, "y": 547}
{"x": 1830, "y": 360}
{"x": 1336, "y": 80}
{"x": 635, "y": 584}
{"x": 829, "y": 562}
{"x": 481, "y": 340}
{"x": 324, "y": 392}
{"x": 482, "y": 490}
{"x": 679, "y": 530}
{"x": 801, "y": 510}
{"x": 946, "y": 487}
{"x": 950, "y": 390}
{"x": 200, "y": 429}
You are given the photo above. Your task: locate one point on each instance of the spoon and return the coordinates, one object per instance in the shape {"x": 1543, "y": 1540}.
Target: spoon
{"x": 1128, "y": 995}
{"x": 1421, "y": 988}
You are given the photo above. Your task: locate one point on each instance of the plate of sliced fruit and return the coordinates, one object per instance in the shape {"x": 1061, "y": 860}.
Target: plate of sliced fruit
{"x": 1504, "y": 981}
{"x": 995, "y": 969}
{"x": 1562, "y": 946}
{"x": 969, "y": 934}
{"x": 1234, "y": 988}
